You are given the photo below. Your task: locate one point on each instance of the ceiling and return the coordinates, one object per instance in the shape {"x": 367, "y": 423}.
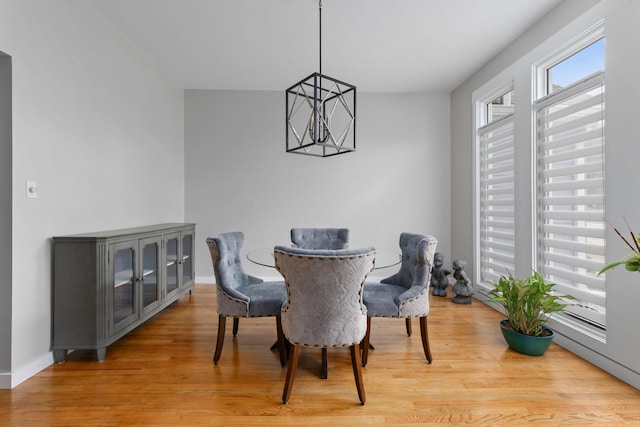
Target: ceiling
{"x": 379, "y": 46}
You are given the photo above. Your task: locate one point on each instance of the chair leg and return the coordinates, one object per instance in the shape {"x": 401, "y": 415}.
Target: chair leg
{"x": 291, "y": 373}
{"x": 425, "y": 338}
{"x": 222, "y": 323}
{"x": 408, "y": 322}
{"x": 324, "y": 370}
{"x": 281, "y": 350}
{"x": 365, "y": 343}
{"x": 357, "y": 372}
{"x": 236, "y": 322}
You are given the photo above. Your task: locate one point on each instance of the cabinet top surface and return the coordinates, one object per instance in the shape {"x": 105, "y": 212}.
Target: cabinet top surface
{"x": 110, "y": 234}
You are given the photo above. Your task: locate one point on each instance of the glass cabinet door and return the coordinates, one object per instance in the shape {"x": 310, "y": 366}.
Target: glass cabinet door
{"x": 124, "y": 298}
{"x": 172, "y": 265}
{"x": 187, "y": 259}
{"x": 149, "y": 276}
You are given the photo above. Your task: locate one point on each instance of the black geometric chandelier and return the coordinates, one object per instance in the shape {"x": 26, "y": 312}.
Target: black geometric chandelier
{"x": 321, "y": 113}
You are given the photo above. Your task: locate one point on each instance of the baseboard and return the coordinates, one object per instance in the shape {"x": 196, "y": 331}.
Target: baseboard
{"x": 565, "y": 340}
{"x": 9, "y": 380}
{"x": 205, "y": 280}
{"x": 5, "y": 380}
{"x": 603, "y": 362}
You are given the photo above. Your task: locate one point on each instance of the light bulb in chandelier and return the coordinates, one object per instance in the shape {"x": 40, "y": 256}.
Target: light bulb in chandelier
{"x": 323, "y": 124}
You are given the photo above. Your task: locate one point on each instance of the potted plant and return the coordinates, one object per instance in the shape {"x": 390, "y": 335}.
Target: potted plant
{"x": 632, "y": 261}
{"x": 527, "y": 303}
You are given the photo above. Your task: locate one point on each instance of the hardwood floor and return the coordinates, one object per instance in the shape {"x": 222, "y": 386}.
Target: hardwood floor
{"x": 162, "y": 374}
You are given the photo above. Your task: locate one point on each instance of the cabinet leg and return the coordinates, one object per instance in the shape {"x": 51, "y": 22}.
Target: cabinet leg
{"x": 100, "y": 353}
{"x": 59, "y": 356}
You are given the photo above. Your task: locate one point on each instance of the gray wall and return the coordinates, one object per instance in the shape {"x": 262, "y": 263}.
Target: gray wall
{"x": 239, "y": 177}
{"x": 101, "y": 130}
{"x": 617, "y": 351}
{"x": 5, "y": 212}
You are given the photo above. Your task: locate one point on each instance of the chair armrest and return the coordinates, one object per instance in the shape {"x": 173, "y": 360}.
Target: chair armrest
{"x": 392, "y": 280}
{"x": 410, "y": 293}
{"x": 232, "y": 293}
{"x": 254, "y": 280}
{"x": 420, "y": 283}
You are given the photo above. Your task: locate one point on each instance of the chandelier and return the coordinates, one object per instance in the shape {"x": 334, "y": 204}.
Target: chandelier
{"x": 321, "y": 113}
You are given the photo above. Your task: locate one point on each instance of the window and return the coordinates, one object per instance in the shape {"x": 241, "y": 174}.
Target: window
{"x": 570, "y": 232}
{"x": 496, "y": 167}
{"x": 581, "y": 64}
{"x": 500, "y": 107}
{"x": 558, "y": 161}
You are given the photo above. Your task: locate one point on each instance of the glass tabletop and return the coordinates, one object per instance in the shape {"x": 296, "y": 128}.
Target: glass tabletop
{"x": 384, "y": 257}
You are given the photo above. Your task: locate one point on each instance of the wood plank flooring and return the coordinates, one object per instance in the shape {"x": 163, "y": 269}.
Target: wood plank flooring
{"x": 161, "y": 374}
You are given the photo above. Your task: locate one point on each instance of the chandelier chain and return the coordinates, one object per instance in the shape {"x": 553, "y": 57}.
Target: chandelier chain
{"x": 320, "y": 35}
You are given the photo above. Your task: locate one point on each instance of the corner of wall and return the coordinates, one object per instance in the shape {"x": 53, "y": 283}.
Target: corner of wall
{"x": 9, "y": 380}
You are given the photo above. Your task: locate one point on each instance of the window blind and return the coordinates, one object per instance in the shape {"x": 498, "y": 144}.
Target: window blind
{"x": 497, "y": 226}
{"x": 570, "y": 194}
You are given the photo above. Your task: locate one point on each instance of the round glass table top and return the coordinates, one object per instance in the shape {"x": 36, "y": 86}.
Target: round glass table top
{"x": 384, "y": 257}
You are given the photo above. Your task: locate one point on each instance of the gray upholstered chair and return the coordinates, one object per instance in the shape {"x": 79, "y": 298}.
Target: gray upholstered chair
{"x": 239, "y": 294}
{"x": 320, "y": 238}
{"x": 324, "y": 303}
{"x": 406, "y": 293}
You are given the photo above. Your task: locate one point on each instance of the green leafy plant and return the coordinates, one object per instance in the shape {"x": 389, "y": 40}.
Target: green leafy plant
{"x": 527, "y": 302}
{"x": 632, "y": 261}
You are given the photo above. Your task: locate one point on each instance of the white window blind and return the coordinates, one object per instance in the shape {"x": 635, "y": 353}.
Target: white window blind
{"x": 497, "y": 228}
{"x": 570, "y": 194}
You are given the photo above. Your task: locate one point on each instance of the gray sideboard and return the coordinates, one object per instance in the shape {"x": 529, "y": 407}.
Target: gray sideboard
{"x": 105, "y": 284}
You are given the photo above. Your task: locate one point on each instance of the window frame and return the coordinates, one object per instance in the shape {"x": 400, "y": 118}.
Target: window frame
{"x": 568, "y": 49}
{"x": 543, "y": 97}
{"x": 483, "y": 123}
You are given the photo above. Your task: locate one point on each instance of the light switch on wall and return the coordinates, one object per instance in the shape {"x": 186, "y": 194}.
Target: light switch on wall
{"x": 32, "y": 190}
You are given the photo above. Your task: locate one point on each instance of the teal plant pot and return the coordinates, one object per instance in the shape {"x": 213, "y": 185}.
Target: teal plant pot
{"x": 526, "y": 344}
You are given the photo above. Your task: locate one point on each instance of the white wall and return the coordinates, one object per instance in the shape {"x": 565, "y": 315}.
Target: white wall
{"x": 239, "y": 176}
{"x": 100, "y": 130}
{"x": 618, "y": 351}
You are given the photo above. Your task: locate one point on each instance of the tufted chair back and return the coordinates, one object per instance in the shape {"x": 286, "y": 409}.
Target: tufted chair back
{"x": 324, "y": 305}
{"x": 324, "y": 295}
{"x": 320, "y": 238}
{"x": 239, "y": 294}
{"x": 406, "y": 293}
{"x": 227, "y": 266}
{"x": 417, "y": 259}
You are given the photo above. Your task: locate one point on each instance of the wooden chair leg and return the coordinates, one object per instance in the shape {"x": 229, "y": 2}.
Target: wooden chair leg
{"x": 324, "y": 370}
{"x": 357, "y": 372}
{"x": 222, "y": 323}
{"x": 365, "y": 343}
{"x": 425, "y": 338}
{"x": 281, "y": 350}
{"x": 408, "y": 322}
{"x": 236, "y": 322}
{"x": 291, "y": 373}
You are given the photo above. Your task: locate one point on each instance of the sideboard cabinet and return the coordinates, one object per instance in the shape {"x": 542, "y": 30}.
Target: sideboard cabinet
{"x": 106, "y": 284}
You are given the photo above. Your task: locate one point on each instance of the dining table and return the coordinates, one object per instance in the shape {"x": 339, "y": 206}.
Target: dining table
{"x": 385, "y": 258}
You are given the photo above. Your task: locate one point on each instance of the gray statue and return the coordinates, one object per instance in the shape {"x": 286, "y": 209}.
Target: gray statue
{"x": 439, "y": 280}
{"x": 462, "y": 287}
